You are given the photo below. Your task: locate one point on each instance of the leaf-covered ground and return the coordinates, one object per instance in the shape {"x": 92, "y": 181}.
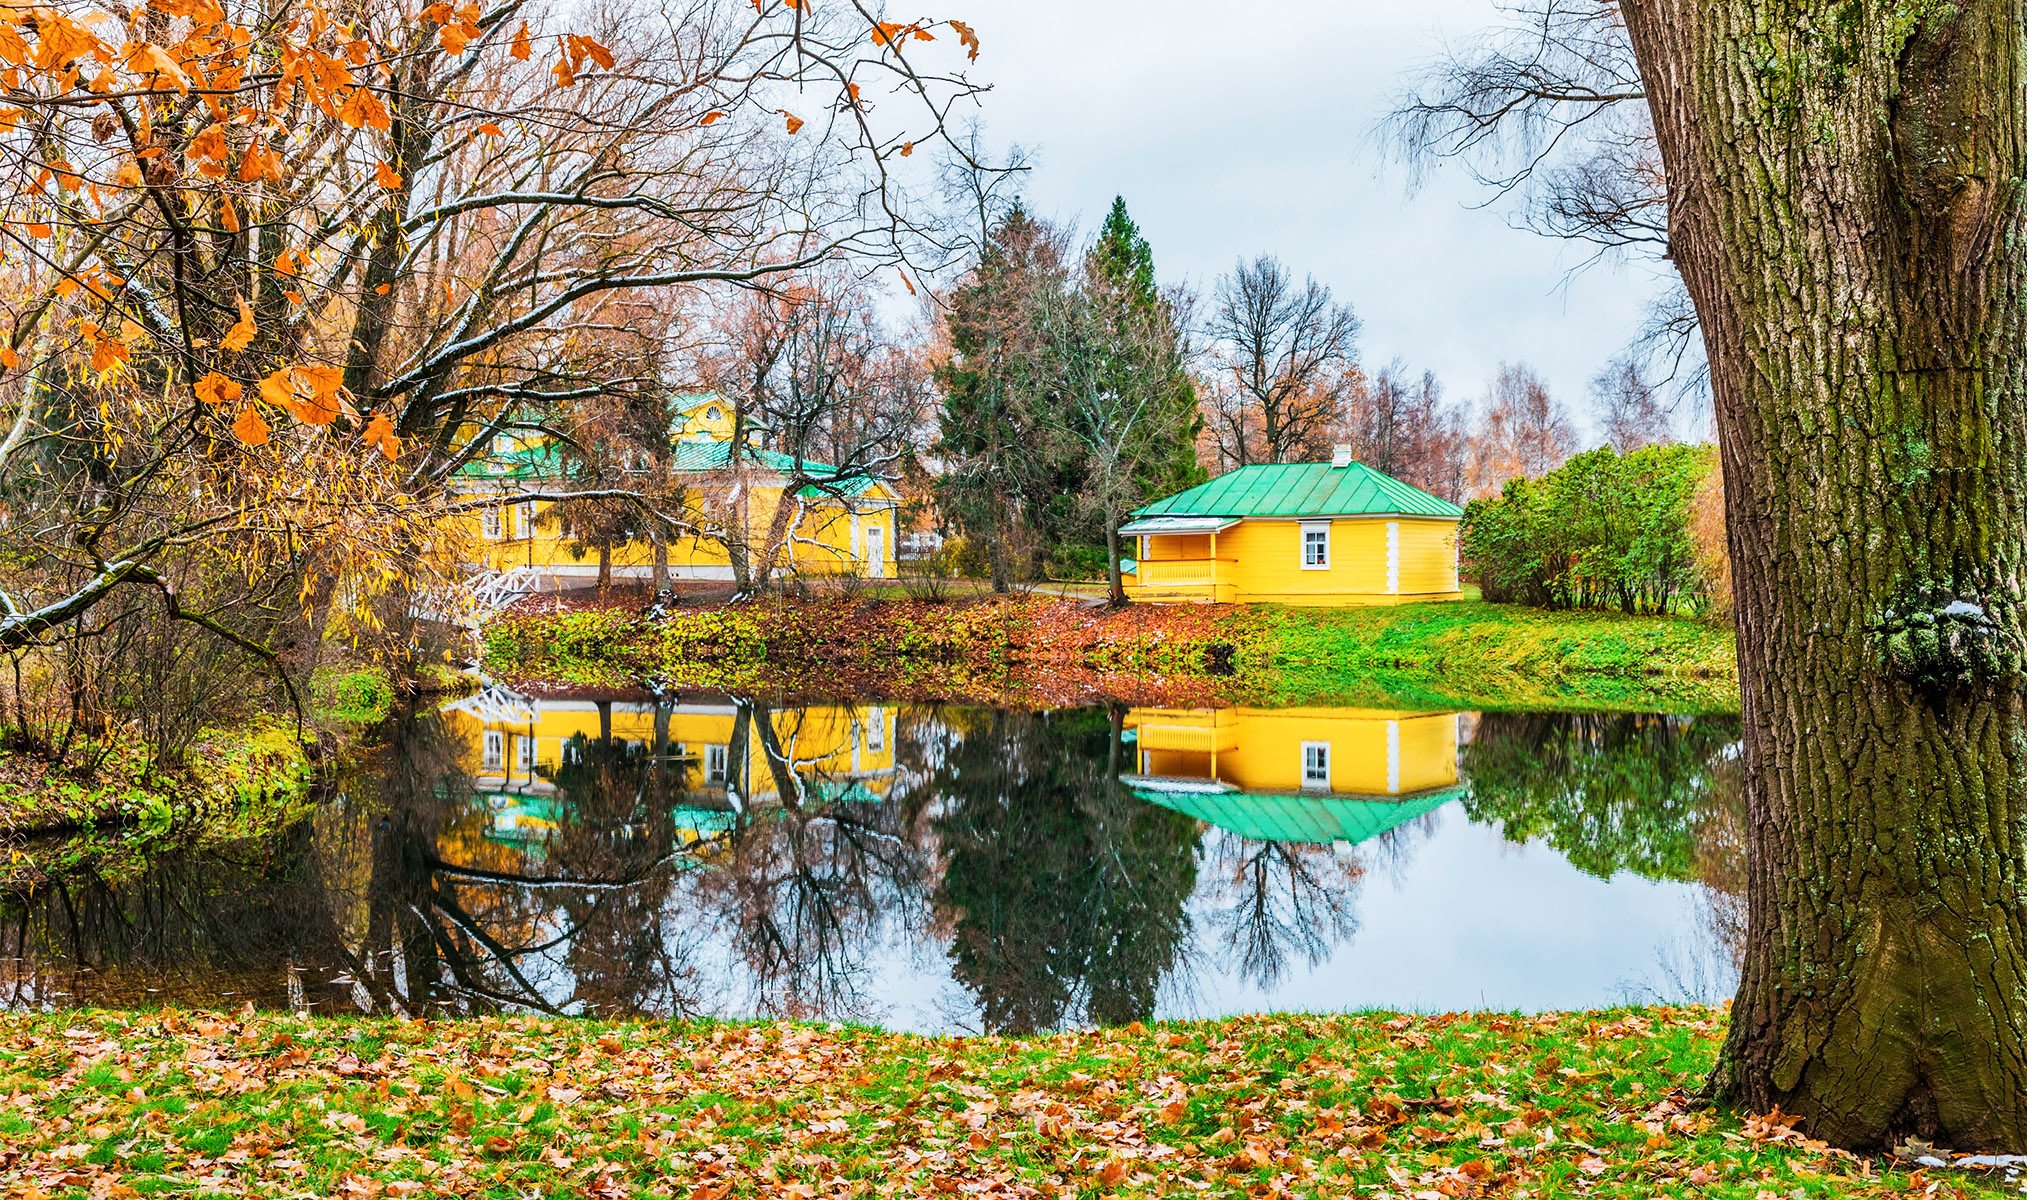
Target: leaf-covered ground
{"x": 1590, "y": 1104}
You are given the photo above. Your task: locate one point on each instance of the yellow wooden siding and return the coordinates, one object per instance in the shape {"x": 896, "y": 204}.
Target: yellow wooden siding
{"x": 1372, "y": 752}
{"x": 823, "y": 545}
{"x": 1428, "y": 559}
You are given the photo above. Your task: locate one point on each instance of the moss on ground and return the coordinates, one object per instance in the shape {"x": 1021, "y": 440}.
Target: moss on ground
{"x": 1471, "y": 654}
{"x": 1579, "y": 1104}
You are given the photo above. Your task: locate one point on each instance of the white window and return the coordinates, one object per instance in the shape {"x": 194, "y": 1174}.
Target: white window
{"x": 714, "y": 764}
{"x": 876, "y": 729}
{"x": 526, "y": 511}
{"x": 489, "y": 523}
{"x": 573, "y": 750}
{"x": 496, "y": 750}
{"x": 526, "y": 745}
{"x": 713, "y": 414}
{"x": 1316, "y": 545}
{"x": 1316, "y": 765}
{"x": 503, "y": 443}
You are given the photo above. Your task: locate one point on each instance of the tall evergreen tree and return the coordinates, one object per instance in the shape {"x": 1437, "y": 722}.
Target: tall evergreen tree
{"x": 1119, "y": 272}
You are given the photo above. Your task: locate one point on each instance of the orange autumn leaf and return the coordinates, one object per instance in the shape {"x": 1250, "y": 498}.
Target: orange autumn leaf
{"x": 713, "y": 115}
{"x": 240, "y": 336}
{"x": 326, "y": 400}
{"x": 107, "y": 354}
{"x": 453, "y": 38}
{"x": 36, "y": 229}
{"x": 794, "y": 122}
{"x": 215, "y": 389}
{"x": 128, "y": 176}
{"x": 8, "y": 358}
{"x": 387, "y": 176}
{"x": 363, "y": 108}
{"x": 379, "y": 434}
{"x": 907, "y": 148}
{"x": 593, "y": 50}
{"x": 249, "y": 428}
{"x": 967, "y": 38}
{"x": 209, "y": 144}
{"x": 522, "y": 46}
{"x": 279, "y": 388}
{"x": 489, "y": 129}
{"x": 228, "y": 216}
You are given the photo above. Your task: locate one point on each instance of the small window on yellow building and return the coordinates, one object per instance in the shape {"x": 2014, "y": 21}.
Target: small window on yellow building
{"x": 1316, "y": 546}
{"x": 489, "y": 523}
{"x": 496, "y": 750}
{"x": 1316, "y": 765}
{"x": 714, "y": 764}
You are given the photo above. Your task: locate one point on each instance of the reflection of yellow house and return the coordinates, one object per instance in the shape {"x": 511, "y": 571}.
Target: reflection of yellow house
{"x": 1320, "y": 534}
{"x": 1296, "y": 774}
{"x": 516, "y": 745}
{"x": 837, "y": 523}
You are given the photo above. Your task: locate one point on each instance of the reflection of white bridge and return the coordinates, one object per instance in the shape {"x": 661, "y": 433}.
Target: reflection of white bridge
{"x": 493, "y": 704}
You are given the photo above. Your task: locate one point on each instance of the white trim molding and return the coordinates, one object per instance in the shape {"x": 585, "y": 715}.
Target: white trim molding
{"x": 1313, "y": 527}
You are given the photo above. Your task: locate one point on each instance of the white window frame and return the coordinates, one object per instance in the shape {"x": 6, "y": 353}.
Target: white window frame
{"x": 572, "y": 753}
{"x": 717, "y": 763}
{"x": 876, "y": 550}
{"x": 490, "y": 523}
{"x": 1316, "y": 778}
{"x": 876, "y": 729}
{"x": 524, "y": 514}
{"x": 503, "y": 443}
{"x": 495, "y": 750}
{"x": 526, "y": 747}
{"x": 1307, "y": 528}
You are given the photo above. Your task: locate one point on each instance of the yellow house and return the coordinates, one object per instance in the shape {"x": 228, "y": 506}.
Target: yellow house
{"x": 1336, "y": 775}
{"x": 1325, "y": 534}
{"x": 839, "y": 523}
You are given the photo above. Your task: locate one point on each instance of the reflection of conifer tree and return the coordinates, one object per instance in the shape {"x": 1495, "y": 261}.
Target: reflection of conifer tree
{"x": 1066, "y": 893}
{"x": 1612, "y": 792}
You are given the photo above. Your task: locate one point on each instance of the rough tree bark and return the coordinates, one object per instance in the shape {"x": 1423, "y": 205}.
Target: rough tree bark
{"x": 1846, "y": 210}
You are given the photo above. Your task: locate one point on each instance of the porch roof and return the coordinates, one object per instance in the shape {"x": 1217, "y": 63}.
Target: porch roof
{"x": 1157, "y": 525}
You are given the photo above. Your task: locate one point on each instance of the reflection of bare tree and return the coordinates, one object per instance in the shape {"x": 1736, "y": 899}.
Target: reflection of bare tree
{"x": 1277, "y": 900}
{"x": 808, "y": 885}
{"x": 1721, "y": 858}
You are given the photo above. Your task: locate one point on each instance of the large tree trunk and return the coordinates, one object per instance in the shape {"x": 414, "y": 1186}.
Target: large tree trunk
{"x": 1846, "y": 213}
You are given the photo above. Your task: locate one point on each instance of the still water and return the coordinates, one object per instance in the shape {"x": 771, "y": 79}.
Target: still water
{"x": 940, "y": 868}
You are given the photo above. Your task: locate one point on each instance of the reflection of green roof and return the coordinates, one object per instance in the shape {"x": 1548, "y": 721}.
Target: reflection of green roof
{"x": 1284, "y": 817}
{"x": 1302, "y": 490}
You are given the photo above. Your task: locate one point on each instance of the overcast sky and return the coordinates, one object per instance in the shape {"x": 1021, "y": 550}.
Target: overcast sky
{"x": 1241, "y": 129}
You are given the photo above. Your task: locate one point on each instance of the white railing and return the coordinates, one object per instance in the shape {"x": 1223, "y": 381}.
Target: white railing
{"x": 1163, "y": 572}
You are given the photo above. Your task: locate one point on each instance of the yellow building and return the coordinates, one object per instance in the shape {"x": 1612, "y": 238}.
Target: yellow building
{"x": 1337, "y": 775}
{"x": 837, "y": 524}
{"x": 1326, "y": 534}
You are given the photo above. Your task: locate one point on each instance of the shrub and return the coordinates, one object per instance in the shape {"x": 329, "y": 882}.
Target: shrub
{"x": 1605, "y": 530}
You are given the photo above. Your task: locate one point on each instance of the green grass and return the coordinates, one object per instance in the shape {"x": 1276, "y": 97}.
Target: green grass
{"x": 1591, "y": 1104}
{"x": 356, "y": 696}
{"x": 1470, "y": 654}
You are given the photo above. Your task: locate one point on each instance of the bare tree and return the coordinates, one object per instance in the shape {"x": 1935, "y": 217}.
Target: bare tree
{"x": 1630, "y": 413}
{"x": 1283, "y": 361}
{"x": 1402, "y": 426}
{"x": 1522, "y": 431}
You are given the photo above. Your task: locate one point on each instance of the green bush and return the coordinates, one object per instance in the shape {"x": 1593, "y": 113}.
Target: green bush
{"x": 1603, "y": 531}
{"x": 1074, "y": 563}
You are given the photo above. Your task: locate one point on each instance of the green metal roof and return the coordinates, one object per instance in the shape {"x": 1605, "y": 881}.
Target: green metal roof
{"x": 544, "y": 462}
{"x": 1302, "y": 490}
{"x": 1284, "y": 817}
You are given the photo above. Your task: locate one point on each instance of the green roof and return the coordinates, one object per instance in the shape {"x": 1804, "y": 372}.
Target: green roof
{"x": 1285, "y": 817}
{"x": 1303, "y": 490}
{"x": 544, "y": 462}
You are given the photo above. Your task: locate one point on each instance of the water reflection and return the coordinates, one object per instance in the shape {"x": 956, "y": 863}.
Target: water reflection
{"x": 927, "y": 866}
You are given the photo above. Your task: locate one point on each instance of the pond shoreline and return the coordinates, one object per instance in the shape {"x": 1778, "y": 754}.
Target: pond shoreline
{"x": 1453, "y": 1105}
{"x": 1039, "y": 652}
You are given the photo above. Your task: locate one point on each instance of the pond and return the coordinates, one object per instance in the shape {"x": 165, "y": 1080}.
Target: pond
{"x": 940, "y": 868}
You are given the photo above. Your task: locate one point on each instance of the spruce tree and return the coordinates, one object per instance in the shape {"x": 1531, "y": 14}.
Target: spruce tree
{"x": 1119, "y": 272}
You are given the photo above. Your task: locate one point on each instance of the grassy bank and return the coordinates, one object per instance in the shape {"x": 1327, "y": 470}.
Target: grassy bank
{"x": 231, "y": 783}
{"x": 1035, "y": 650}
{"x": 1591, "y": 1104}
{"x": 1494, "y": 656}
